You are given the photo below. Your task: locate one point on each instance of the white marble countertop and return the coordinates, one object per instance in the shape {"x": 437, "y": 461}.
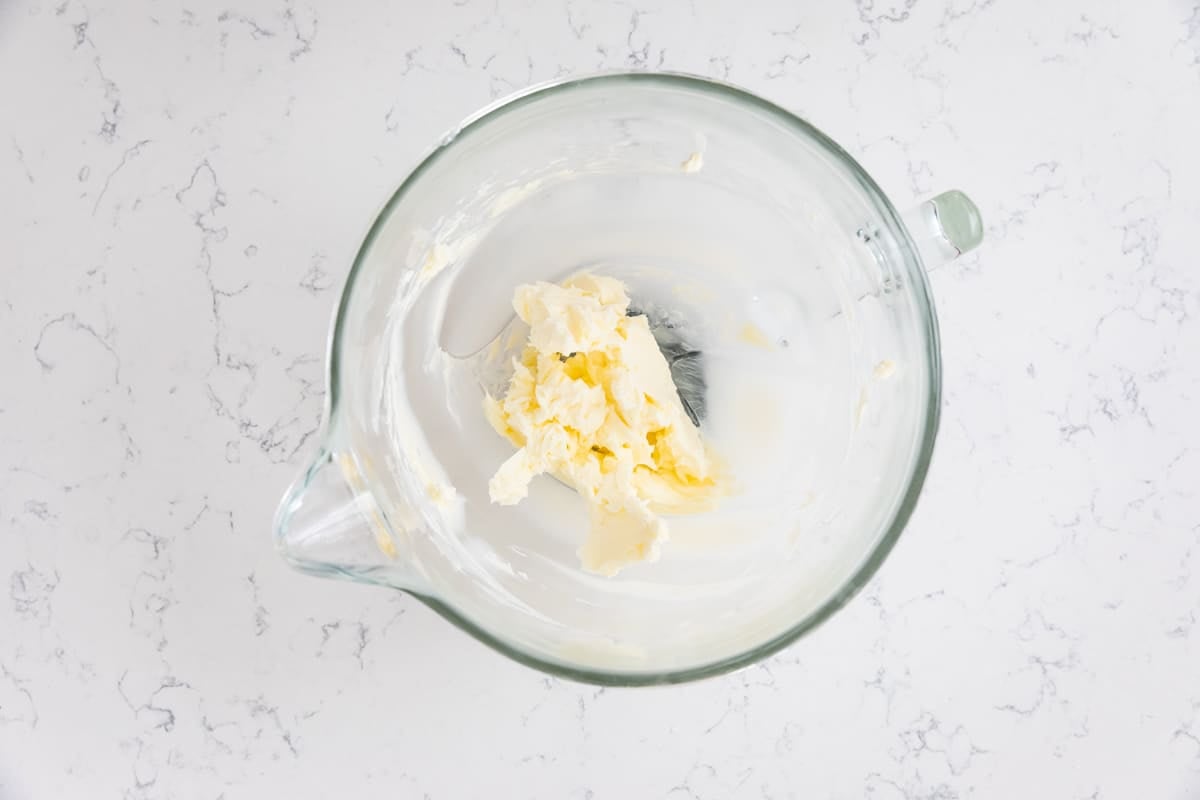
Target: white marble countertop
{"x": 182, "y": 190}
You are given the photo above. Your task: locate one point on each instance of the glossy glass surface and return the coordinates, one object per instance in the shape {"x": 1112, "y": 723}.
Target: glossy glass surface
{"x": 829, "y": 427}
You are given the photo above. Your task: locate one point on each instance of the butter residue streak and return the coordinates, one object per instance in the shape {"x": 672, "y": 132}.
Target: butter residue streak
{"x": 435, "y": 260}
{"x": 694, "y": 163}
{"x": 752, "y": 334}
{"x": 591, "y": 401}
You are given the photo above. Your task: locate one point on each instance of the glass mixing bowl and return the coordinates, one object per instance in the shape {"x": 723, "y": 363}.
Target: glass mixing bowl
{"x": 784, "y": 264}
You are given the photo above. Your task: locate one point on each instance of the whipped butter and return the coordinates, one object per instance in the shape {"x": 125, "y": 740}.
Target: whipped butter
{"x": 591, "y": 402}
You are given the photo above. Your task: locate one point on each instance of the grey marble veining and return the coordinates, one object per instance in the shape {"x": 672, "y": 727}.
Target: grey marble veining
{"x": 183, "y": 188}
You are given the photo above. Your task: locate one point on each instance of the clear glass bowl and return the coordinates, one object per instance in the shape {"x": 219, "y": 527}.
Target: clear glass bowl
{"x": 773, "y": 250}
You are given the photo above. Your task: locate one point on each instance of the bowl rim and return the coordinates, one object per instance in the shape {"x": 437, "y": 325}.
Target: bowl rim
{"x": 914, "y": 272}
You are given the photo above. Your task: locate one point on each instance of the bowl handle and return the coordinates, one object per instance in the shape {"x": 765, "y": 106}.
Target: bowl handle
{"x": 944, "y": 227}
